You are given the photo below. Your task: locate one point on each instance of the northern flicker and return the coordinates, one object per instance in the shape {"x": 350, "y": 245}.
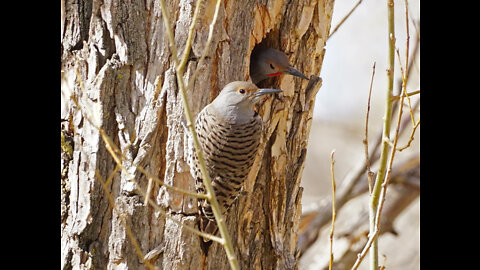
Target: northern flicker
{"x": 268, "y": 62}
{"x": 229, "y": 133}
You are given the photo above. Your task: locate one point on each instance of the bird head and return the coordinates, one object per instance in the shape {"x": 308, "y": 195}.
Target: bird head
{"x": 268, "y": 62}
{"x": 236, "y": 100}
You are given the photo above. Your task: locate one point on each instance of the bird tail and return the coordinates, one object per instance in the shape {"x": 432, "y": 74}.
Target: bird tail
{"x": 208, "y": 226}
{"x": 211, "y": 228}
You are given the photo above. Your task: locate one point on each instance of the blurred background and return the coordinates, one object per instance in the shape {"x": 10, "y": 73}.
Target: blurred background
{"x": 339, "y": 124}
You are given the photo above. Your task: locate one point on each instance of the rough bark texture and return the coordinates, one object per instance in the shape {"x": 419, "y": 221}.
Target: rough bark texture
{"x": 116, "y": 63}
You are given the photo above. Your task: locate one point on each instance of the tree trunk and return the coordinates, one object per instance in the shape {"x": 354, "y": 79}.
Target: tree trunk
{"x": 118, "y": 75}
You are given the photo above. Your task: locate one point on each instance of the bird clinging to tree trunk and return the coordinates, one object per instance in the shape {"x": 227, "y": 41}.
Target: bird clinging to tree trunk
{"x": 268, "y": 62}
{"x": 229, "y": 134}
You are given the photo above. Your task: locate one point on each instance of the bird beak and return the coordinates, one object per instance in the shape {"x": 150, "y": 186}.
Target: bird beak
{"x": 294, "y": 72}
{"x": 263, "y": 91}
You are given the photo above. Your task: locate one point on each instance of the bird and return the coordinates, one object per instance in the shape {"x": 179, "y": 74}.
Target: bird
{"x": 229, "y": 131}
{"x": 267, "y": 62}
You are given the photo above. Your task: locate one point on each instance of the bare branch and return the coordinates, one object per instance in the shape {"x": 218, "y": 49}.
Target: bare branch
{"x": 207, "y": 45}
{"x": 409, "y": 94}
{"x": 188, "y": 44}
{"x": 411, "y": 137}
{"x": 334, "y": 213}
{"x": 365, "y": 141}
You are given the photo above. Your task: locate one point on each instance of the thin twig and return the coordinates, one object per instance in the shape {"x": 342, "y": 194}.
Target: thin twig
{"x": 334, "y": 213}
{"x": 407, "y": 45}
{"x": 405, "y": 80}
{"x": 365, "y": 141}
{"x": 409, "y": 94}
{"x": 366, "y": 248}
{"x": 411, "y": 137}
{"x": 207, "y": 45}
{"x": 188, "y": 44}
{"x": 149, "y": 189}
{"x": 404, "y": 86}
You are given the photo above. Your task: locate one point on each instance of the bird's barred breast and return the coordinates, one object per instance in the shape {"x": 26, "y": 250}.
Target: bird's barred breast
{"x": 229, "y": 152}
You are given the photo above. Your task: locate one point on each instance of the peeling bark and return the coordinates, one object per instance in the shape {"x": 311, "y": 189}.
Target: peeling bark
{"x": 116, "y": 63}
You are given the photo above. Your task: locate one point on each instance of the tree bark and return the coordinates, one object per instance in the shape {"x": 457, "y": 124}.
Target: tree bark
{"x": 118, "y": 75}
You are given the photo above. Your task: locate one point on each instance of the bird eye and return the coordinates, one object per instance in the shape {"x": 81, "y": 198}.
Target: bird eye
{"x": 271, "y": 66}
{"x": 241, "y": 91}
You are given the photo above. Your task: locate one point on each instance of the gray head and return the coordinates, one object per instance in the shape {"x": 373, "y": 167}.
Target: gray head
{"x": 236, "y": 100}
{"x": 268, "y": 62}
